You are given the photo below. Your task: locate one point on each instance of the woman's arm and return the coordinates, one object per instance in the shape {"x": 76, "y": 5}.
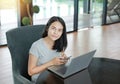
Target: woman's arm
{"x": 33, "y": 68}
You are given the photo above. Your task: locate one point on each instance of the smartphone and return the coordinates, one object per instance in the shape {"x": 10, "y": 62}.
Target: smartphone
{"x": 68, "y": 57}
{"x": 65, "y": 58}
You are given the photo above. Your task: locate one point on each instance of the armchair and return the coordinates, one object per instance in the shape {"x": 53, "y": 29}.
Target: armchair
{"x": 19, "y": 41}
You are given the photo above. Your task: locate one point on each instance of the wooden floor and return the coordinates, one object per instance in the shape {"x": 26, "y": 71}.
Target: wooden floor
{"x": 105, "y": 39}
{"x": 5, "y": 66}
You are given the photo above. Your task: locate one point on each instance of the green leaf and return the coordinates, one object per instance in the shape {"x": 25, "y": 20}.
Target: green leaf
{"x": 26, "y": 21}
{"x": 36, "y": 9}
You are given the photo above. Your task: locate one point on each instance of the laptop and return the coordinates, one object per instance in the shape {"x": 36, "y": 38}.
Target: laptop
{"x": 73, "y": 65}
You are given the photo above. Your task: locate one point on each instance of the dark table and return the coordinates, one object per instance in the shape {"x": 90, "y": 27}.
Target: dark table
{"x": 100, "y": 71}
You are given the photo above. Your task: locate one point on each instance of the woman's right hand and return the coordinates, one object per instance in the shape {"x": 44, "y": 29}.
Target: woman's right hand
{"x": 58, "y": 61}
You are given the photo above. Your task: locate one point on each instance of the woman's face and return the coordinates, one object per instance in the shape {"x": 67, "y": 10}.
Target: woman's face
{"x": 55, "y": 30}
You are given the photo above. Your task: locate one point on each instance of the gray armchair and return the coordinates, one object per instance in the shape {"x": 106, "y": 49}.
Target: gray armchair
{"x": 19, "y": 41}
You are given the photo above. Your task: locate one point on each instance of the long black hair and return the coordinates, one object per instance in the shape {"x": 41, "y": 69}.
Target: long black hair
{"x": 61, "y": 43}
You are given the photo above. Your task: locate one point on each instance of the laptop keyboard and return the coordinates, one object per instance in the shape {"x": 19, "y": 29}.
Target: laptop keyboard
{"x": 62, "y": 70}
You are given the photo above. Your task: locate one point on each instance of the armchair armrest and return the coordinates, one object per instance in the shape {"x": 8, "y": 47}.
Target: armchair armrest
{"x": 21, "y": 80}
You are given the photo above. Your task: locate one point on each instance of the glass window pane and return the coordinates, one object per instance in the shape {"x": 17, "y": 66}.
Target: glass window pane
{"x": 49, "y": 8}
{"x": 90, "y": 13}
{"x": 97, "y": 12}
{"x": 8, "y": 18}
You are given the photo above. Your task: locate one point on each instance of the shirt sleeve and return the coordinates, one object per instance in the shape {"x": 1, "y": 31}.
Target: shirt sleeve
{"x": 34, "y": 50}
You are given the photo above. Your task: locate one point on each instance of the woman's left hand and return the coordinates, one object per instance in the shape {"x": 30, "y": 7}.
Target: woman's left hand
{"x": 63, "y": 56}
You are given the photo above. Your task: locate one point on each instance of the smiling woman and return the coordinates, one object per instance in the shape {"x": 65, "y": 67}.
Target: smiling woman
{"x": 46, "y": 51}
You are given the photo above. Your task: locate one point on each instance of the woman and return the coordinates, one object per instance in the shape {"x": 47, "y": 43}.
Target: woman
{"x": 46, "y": 51}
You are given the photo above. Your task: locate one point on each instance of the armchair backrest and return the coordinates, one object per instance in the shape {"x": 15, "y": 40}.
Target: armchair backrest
{"x": 19, "y": 41}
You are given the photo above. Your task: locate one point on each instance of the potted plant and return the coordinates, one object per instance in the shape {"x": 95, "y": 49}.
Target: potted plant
{"x": 28, "y": 20}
